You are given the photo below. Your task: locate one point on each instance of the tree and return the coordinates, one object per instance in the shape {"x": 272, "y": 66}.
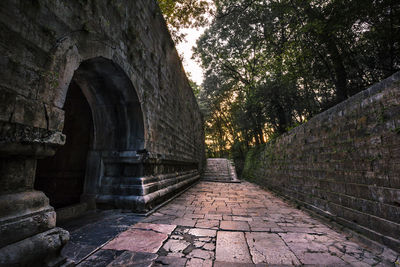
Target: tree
{"x": 184, "y": 14}
{"x": 272, "y": 64}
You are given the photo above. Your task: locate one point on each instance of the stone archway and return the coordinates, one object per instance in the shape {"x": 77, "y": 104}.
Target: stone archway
{"x": 103, "y": 124}
{"x": 141, "y": 152}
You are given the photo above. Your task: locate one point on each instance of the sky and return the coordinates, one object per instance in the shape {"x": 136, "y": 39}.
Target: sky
{"x": 192, "y": 68}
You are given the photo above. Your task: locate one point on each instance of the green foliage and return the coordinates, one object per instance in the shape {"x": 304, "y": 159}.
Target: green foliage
{"x": 184, "y": 14}
{"x": 271, "y": 65}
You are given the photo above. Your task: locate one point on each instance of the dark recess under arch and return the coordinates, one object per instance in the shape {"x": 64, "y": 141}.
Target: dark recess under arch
{"x": 103, "y": 116}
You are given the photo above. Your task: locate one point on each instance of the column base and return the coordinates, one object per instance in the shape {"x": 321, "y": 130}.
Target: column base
{"x": 39, "y": 250}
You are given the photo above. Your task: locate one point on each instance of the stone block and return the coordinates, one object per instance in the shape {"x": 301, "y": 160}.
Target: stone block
{"x": 232, "y": 247}
{"x": 270, "y": 249}
{"x": 138, "y": 241}
{"x": 41, "y": 249}
{"x": 234, "y": 225}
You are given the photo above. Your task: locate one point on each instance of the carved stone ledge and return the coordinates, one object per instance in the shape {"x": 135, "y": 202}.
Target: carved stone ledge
{"x": 22, "y": 140}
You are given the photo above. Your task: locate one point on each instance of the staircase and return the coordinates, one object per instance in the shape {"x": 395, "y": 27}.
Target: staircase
{"x": 220, "y": 170}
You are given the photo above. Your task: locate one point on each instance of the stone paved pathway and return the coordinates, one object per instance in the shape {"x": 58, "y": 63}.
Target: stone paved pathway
{"x": 221, "y": 224}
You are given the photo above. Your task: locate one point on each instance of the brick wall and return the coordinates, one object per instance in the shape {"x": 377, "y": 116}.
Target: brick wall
{"x": 344, "y": 163}
{"x": 145, "y": 117}
{"x": 44, "y": 42}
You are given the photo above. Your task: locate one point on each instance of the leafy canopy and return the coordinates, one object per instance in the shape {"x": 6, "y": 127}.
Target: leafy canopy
{"x": 272, "y": 64}
{"x": 181, "y": 14}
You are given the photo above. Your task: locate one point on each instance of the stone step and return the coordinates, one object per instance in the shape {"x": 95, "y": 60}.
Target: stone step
{"x": 219, "y": 170}
{"x": 109, "y": 180}
{"x": 145, "y": 203}
{"x": 160, "y": 182}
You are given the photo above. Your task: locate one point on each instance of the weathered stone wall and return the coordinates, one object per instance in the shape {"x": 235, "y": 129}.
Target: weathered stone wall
{"x": 43, "y": 43}
{"x": 147, "y": 140}
{"x": 344, "y": 163}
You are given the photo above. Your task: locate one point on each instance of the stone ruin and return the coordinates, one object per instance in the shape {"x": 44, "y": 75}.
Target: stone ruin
{"x": 96, "y": 112}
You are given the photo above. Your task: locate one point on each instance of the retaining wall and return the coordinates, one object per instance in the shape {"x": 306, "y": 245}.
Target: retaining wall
{"x": 344, "y": 163}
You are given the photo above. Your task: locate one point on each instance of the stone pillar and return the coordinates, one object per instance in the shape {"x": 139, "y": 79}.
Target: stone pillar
{"x": 29, "y": 236}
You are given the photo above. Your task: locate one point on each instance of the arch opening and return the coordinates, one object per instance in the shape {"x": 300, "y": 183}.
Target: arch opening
{"x": 103, "y": 117}
{"x": 62, "y": 176}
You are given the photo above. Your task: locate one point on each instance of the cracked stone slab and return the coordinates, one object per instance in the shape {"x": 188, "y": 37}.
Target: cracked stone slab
{"x": 199, "y": 263}
{"x": 162, "y": 261}
{"x": 202, "y": 232}
{"x": 270, "y": 248}
{"x": 138, "y": 241}
{"x": 175, "y": 246}
{"x": 209, "y": 246}
{"x": 232, "y": 247}
{"x": 201, "y": 254}
{"x": 236, "y": 264}
{"x": 129, "y": 258}
{"x": 160, "y": 228}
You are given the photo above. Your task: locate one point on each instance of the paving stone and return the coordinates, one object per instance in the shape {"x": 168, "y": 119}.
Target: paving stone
{"x": 213, "y": 224}
{"x": 173, "y": 212}
{"x": 198, "y": 244}
{"x": 241, "y": 218}
{"x": 162, "y": 261}
{"x": 199, "y": 263}
{"x": 353, "y": 261}
{"x": 160, "y": 220}
{"x": 213, "y": 217}
{"x": 93, "y": 230}
{"x": 202, "y": 232}
{"x": 129, "y": 258}
{"x": 175, "y": 245}
{"x": 176, "y": 254}
{"x": 236, "y": 264}
{"x": 209, "y": 246}
{"x": 193, "y": 216}
{"x": 309, "y": 240}
{"x": 160, "y": 228}
{"x": 138, "y": 240}
{"x": 323, "y": 259}
{"x": 390, "y": 255}
{"x": 227, "y": 217}
{"x": 234, "y": 225}
{"x": 177, "y": 237}
{"x": 232, "y": 247}
{"x": 270, "y": 248}
{"x": 101, "y": 258}
{"x": 201, "y": 254}
{"x": 184, "y": 222}
{"x": 307, "y": 230}
{"x": 262, "y": 226}
{"x": 76, "y": 252}
{"x": 296, "y": 237}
